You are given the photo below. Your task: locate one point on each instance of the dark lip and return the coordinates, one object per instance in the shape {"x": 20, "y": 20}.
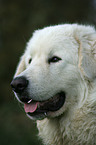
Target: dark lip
{"x": 51, "y": 105}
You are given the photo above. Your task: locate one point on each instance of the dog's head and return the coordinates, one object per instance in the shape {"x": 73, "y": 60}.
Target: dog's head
{"x": 50, "y": 77}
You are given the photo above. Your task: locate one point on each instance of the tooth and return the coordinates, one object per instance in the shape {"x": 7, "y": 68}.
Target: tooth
{"x": 45, "y": 114}
{"x": 29, "y": 101}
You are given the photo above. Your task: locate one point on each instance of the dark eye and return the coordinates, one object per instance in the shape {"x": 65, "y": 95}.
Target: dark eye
{"x": 30, "y": 60}
{"x": 54, "y": 59}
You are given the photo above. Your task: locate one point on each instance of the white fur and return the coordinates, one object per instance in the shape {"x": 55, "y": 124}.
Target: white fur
{"x": 75, "y": 74}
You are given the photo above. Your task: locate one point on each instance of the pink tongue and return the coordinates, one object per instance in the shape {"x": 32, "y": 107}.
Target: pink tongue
{"x": 30, "y": 107}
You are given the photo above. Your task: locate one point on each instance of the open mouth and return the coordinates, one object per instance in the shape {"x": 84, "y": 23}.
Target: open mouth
{"x": 35, "y": 108}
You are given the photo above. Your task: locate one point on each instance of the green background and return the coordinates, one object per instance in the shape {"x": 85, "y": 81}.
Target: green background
{"x": 18, "y": 19}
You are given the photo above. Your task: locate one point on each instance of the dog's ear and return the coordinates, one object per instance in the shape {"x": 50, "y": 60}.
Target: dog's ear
{"x": 21, "y": 66}
{"x": 89, "y": 63}
{"x": 87, "y": 55}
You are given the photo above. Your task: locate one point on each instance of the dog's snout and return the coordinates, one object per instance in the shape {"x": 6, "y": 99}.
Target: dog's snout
{"x": 19, "y": 84}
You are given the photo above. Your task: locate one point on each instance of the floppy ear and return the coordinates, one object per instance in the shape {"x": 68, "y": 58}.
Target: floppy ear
{"x": 21, "y": 66}
{"x": 87, "y": 55}
{"x": 89, "y": 64}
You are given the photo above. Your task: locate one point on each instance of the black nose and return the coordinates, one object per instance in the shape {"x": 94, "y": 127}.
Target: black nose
{"x": 19, "y": 84}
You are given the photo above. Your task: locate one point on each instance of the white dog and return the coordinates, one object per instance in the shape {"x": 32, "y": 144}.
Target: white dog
{"x": 56, "y": 81}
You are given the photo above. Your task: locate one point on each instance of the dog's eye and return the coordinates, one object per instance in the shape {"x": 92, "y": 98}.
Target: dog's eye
{"x": 54, "y": 59}
{"x": 30, "y": 60}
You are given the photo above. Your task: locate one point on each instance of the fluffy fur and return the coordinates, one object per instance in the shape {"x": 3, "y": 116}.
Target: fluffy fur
{"x": 75, "y": 74}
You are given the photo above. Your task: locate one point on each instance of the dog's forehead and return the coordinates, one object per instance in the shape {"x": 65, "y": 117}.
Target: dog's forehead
{"x": 48, "y": 40}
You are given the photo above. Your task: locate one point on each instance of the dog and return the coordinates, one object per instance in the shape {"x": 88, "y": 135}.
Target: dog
{"x": 56, "y": 81}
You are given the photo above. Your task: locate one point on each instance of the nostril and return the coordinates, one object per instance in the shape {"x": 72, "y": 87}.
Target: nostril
{"x": 19, "y": 84}
{"x": 12, "y": 86}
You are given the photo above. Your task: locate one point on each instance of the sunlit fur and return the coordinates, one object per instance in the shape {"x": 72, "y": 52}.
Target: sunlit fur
{"x": 75, "y": 74}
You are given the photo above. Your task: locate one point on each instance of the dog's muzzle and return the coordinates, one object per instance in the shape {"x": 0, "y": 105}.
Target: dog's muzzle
{"x": 35, "y": 108}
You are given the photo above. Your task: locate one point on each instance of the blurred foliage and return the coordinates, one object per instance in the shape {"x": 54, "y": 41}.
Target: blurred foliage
{"x": 18, "y": 19}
